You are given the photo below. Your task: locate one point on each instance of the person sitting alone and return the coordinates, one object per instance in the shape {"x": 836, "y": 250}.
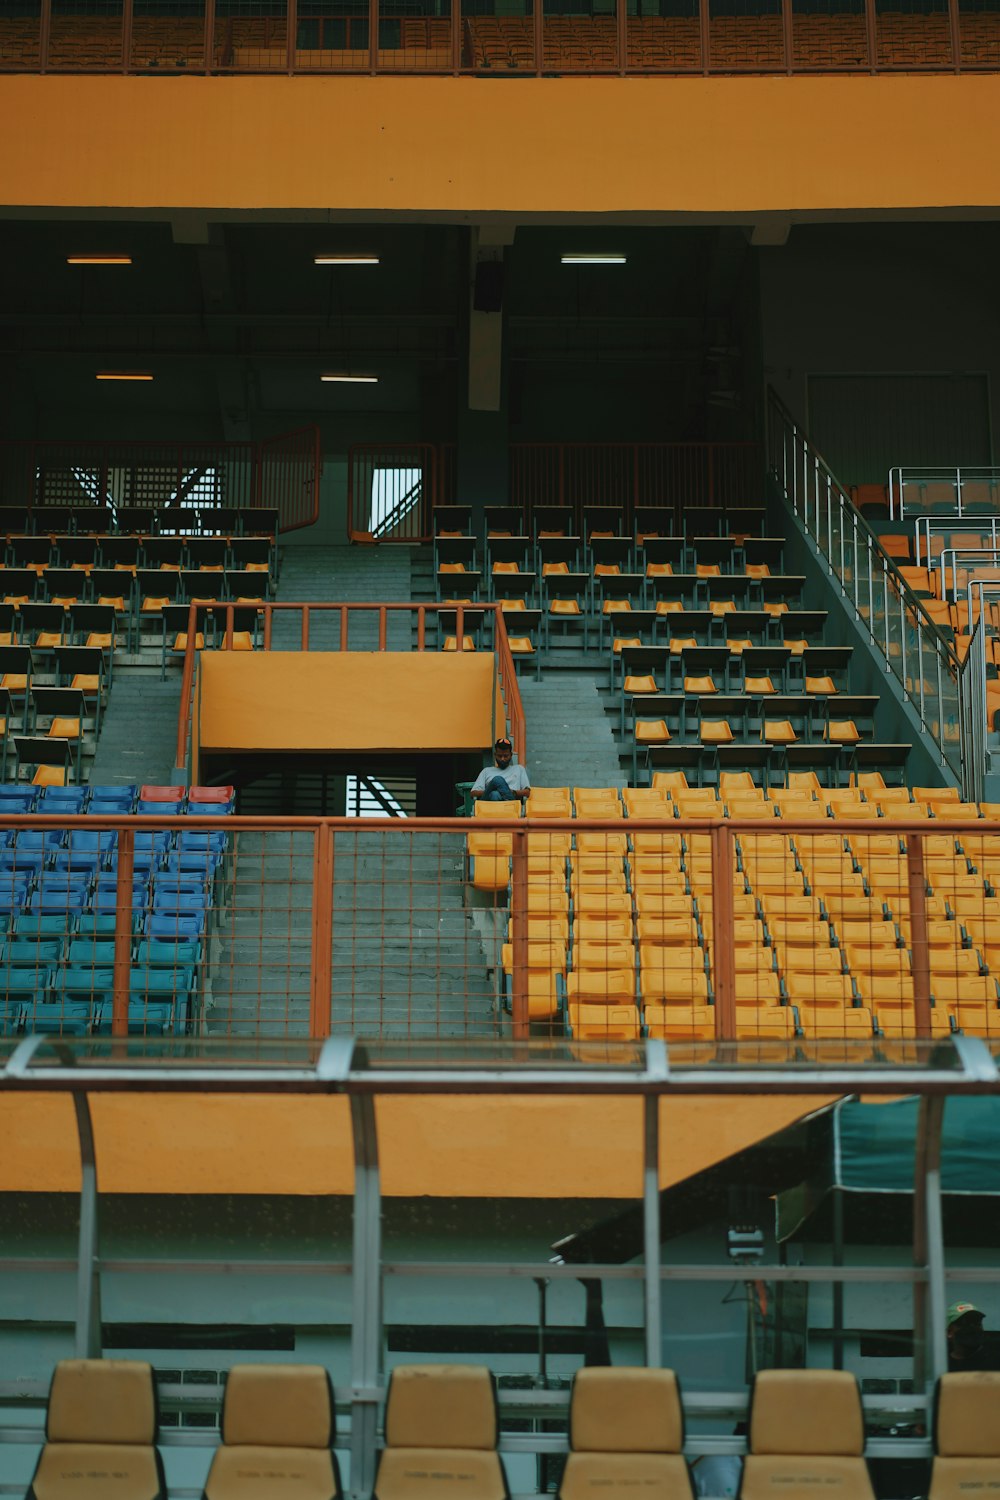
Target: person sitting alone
{"x": 506, "y": 781}
{"x": 966, "y": 1340}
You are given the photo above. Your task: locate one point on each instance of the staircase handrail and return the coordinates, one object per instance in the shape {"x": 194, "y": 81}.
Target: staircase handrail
{"x": 827, "y": 489}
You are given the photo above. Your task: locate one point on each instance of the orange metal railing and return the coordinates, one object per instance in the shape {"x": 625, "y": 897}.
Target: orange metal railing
{"x": 464, "y": 618}
{"x": 775, "y": 932}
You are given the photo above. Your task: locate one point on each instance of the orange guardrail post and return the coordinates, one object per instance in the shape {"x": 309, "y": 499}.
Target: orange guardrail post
{"x": 305, "y": 626}
{"x": 519, "y": 919}
{"x": 268, "y": 613}
{"x": 123, "y": 932}
{"x": 321, "y": 966}
{"x": 918, "y": 920}
{"x": 724, "y": 976}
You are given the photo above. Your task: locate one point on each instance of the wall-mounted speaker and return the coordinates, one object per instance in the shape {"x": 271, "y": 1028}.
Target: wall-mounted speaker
{"x": 487, "y": 295}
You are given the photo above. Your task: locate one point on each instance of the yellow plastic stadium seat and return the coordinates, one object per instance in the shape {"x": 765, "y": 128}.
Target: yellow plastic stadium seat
{"x": 603, "y": 928}
{"x": 565, "y": 607}
{"x": 615, "y": 1022}
{"x": 646, "y": 802}
{"x": 758, "y": 685}
{"x": 100, "y": 1433}
{"x": 509, "y": 810}
{"x": 820, "y": 685}
{"x": 669, "y": 782}
{"x": 626, "y": 1435}
{"x": 450, "y": 643}
{"x": 490, "y": 872}
{"x": 778, "y": 732}
{"x": 49, "y": 776}
{"x": 441, "y": 1430}
{"x": 181, "y": 641}
{"x": 679, "y": 643}
{"x": 680, "y": 1023}
{"x": 640, "y": 683}
{"x": 827, "y": 1022}
{"x": 549, "y": 802}
{"x": 806, "y": 1436}
{"x": 699, "y": 685}
{"x": 64, "y": 729}
{"x": 764, "y": 1020}
{"x": 842, "y": 732}
{"x": 279, "y": 1419}
{"x": 616, "y": 606}
{"x": 597, "y": 802}
{"x": 505, "y": 567}
{"x": 737, "y": 647}
{"x": 651, "y": 732}
{"x": 966, "y": 1436}
{"x": 621, "y": 642}
{"x": 715, "y": 732}
{"x": 242, "y": 641}
{"x": 819, "y": 991}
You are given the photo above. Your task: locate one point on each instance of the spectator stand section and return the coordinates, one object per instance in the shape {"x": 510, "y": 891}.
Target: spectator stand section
{"x": 82, "y": 587}
{"x": 108, "y": 922}
{"x": 680, "y": 914}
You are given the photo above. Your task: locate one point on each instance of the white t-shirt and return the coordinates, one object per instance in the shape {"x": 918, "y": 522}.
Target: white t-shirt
{"x": 515, "y": 776}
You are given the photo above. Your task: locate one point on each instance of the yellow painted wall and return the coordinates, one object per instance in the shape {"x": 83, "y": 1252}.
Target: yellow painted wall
{"x": 461, "y": 1147}
{"x": 475, "y": 146}
{"x": 317, "y": 700}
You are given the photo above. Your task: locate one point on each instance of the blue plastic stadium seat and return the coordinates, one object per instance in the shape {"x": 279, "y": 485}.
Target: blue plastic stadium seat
{"x": 99, "y": 924}
{"x": 112, "y": 800}
{"x": 160, "y": 809}
{"x": 175, "y": 926}
{"x": 91, "y": 952}
{"x": 11, "y": 1017}
{"x": 28, "y": 862}
{"x": 30, "y": 953}
{"x": 71, "y": 800}
{"x": 58, "y": 1016}
{"x": 34, "y": 924}
{"x": 155, "y": 953}
{"x": 17, "y": 799}
{"x": 46, "y": 840}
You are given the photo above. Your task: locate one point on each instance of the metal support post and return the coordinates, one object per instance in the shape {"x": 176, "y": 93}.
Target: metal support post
{"x": 88, "y": 1272}
{"x": 918, "y": 921}
{"x": 519, "y": 917}
{"x": 931, "y": 1340}
{"x": 366, "y": 1322}
{"x": 651, "y": 1228}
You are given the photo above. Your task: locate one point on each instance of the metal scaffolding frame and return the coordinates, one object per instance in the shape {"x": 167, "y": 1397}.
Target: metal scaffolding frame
{"x": 363, "y": 1071}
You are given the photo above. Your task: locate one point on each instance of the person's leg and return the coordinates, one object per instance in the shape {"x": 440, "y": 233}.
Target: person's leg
{"x": 497, "y": 790}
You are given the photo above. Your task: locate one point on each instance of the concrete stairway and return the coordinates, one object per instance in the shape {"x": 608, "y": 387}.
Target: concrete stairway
{"x": 407, "y": 957}
{"x": 570, "y": 742}
{"x": 343, "y": 575}
{"x": 139, "y": 730}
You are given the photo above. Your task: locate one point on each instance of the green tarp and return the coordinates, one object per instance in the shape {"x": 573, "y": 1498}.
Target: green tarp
{"x": 871, "y": 1149}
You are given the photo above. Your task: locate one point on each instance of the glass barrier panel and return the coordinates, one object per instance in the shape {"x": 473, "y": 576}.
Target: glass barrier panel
{"x": 20, "y": 38}
{"x": 85, "y": 36}
{"x": 829, "y": 37}
{"x": 745, "y": 34}
{"x": 251, "y": 35}
{"x": 168, "y": 36}
{"x": 664, "y": 36}
{"x": 979, "y": 30}
{"x": 500, "y": 44}
{"x": 913, "y": 34}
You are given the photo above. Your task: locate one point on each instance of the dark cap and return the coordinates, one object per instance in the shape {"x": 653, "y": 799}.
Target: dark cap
{"x": 503, "y": 744}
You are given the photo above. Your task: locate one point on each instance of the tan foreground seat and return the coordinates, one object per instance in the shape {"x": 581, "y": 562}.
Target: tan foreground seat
{"x": 966, "y": 1436}
{"x": 100, "y": 1433}
{"x": 626, "y": 1432}
{"x": 807, "y": 1437}
{"x": 441, "y": 1429}
{"x": 277, "y": 1435}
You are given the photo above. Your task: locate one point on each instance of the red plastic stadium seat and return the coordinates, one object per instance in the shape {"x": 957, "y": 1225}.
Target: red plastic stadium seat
{"x": 161, "y": 794}
{"x": 209, "y": 793}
